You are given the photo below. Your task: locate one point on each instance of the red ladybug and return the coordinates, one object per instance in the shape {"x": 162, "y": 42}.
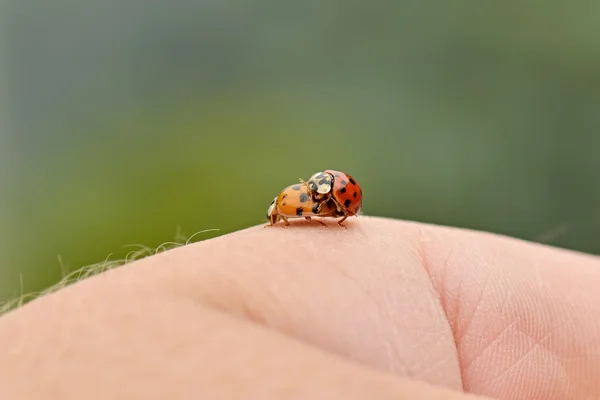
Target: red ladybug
{"x": 338, "y": 186}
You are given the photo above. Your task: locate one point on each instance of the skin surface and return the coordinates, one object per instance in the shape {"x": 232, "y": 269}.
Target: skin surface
{"x": 384, "y": 309}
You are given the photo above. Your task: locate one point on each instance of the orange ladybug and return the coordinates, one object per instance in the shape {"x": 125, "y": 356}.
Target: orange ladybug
{"x": 295, "y": 201}
{"x": 338, "y": 187}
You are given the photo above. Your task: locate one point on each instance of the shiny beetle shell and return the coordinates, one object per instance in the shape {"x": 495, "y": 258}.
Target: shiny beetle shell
{"x": 346, "y": 192}
{"x": 295, "y": 201}
{"x": 339, "y": 186}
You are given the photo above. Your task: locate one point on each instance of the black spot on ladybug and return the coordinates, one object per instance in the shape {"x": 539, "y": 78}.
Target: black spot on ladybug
{"x": 296, "y": 187}
{"x": 284, "y": 203}
{"x": 316, "y": 208}
{"x": 354, "y": 194}
{"x": 344, "y": 182}
{"x": 299, "y": 211}
{"x": 352, "y": 181}
{"x": 342, "y": 190}
{"x": 303, "y": 197}
{"x": 347, "y": 203}
{"x": 284, "y": 196}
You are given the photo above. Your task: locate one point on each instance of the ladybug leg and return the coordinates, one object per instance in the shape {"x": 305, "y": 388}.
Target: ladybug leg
{"x": 309, "y": 219}
{"x": 315, "y": 196}
{"x": 272, "y": 221}
{"x": 342, "y": 220}
{"x": 273, "y": 213}
{"x": 317, "y": 220}
{"x": 339, "y": 206}
{"x": 273, "y": 218}
{"x": 287, "y": 223}
{"x": 305, "y": 184}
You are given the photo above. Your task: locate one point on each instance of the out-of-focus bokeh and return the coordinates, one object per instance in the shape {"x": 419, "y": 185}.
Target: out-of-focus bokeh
{"x": 131, "y": 121}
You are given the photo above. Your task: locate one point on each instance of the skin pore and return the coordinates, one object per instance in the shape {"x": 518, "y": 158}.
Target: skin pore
{"x": 383, "y": 309}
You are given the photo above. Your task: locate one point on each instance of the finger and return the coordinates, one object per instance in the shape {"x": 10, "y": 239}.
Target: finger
{"x": 503, "y": 317}
{"x": 525, "y": 317}
{"x": 350, "y": 291}
{"x": 105, "y": 339}
{"x": 361, "y": 292}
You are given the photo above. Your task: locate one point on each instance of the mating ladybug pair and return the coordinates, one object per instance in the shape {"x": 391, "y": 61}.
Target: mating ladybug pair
{"x": 326, "y": 194}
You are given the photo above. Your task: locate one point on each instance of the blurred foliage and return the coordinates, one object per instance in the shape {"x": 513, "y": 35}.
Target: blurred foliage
{"x": 131, "y": 121}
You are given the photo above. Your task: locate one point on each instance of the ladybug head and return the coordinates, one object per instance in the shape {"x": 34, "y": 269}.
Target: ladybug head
{"x": 320, "y": 184}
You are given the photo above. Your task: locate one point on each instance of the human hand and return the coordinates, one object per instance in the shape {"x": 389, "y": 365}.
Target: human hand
{"x": 383, "y": 309}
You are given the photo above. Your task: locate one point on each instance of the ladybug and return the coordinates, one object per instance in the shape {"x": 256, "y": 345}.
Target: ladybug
{"x": 295, "y": 201}
{"x": 338, "y": 187}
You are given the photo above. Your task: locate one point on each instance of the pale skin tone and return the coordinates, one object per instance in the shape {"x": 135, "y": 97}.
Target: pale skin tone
{"x": 382, "y": 310}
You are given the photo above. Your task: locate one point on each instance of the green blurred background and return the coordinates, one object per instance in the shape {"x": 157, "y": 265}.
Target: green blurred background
{"x": 129, "y": 121}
